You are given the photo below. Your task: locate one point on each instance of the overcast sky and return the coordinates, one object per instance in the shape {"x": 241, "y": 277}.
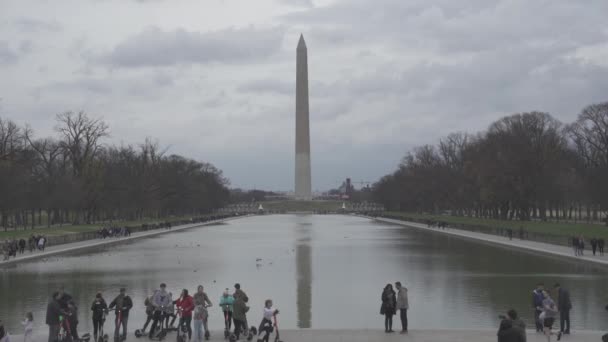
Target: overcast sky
{"x": 215, "y": 79}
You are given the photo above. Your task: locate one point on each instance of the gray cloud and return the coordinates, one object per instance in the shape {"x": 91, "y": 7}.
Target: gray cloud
{"x": 32, "y": 25}
{"x": 268, "y": 86}
{"x": 298, "y": 3}
{"x": 155, "y": 47}
{"x": 7, "y": 55}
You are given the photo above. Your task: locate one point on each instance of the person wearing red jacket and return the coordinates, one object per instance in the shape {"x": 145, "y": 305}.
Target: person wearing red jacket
{"x": 185, "y": 305}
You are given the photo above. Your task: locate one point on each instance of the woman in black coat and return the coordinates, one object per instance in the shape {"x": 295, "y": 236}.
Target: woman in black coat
{"x": 388, "y": 308}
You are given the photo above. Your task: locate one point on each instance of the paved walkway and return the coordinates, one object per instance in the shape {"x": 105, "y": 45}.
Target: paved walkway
{"x": 75, "y": 246}
{"x": 531, "y": 246}
{"x": 306, "y": 335}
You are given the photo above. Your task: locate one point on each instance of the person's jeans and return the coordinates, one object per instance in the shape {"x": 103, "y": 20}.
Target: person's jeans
{"x": 199, "y": 331}
{"x": 564, "y": 321}
{"x": 123, "y": 322}
{"x": 403, "y": 319}
{"x": 539, "y": 324}
{"x": 239, "y": 327}
{"x": 53, "y": 332}
{"x": 187, "y": 321}
{"x": 96, "y": 327}
{"x": 388, "y": 322}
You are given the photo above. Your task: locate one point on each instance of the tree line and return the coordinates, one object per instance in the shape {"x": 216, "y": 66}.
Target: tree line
{"x": 75, "y": 178}
{"x": 524, "y": 166}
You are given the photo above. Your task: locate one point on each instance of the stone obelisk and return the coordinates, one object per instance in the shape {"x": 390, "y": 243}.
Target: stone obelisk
{"x": 303, "y": 182}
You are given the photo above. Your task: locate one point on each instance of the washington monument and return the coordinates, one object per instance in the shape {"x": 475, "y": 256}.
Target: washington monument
{"x": 302, "y": 186}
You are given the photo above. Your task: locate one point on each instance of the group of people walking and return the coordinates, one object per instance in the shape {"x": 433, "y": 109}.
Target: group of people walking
{"x": 10, "y": 248}
{"x": 391, "y": 302}
{"x": 578, "y": 245}
{"x": 107, "y": 232}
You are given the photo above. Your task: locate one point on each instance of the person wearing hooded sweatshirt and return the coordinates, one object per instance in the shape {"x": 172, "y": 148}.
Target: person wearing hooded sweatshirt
{"x": 53, "y": 311}
{"x": 185, "y": 305}
{"x": 160, "y": 301}
{"x": 226, "y": 303}
{"x": 402, "y": 305}
{"x": 4, "y": 336}
{"x": 240, "y": 309}
{"x": 123, "y": 305}
{"x": 99, "y": 308}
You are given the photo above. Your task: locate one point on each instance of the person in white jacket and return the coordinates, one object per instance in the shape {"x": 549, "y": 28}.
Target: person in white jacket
{"x": 28, "y": 327}
{"x": 403, "y": 305}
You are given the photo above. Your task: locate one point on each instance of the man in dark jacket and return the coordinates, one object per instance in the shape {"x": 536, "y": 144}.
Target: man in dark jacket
{"x": 53, "y": 310}
{"x": 63, "y": 298}
{"x": 537, "y": 304}
{"x": 512, "y": 329}
{"x": 123, "y": 304}
{"x": 563, "y": 305}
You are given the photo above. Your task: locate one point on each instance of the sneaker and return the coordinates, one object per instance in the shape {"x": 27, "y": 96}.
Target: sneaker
{"x": 559, "y": 336}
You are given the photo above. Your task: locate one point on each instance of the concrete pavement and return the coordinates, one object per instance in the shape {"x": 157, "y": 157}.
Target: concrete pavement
{"x": 75, "y": 246}
{"x": 313, "y": 335}
{"x": 527, "y": 245}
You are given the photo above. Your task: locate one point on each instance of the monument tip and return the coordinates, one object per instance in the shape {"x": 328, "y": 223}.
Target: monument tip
{"x": 301, "y": 42}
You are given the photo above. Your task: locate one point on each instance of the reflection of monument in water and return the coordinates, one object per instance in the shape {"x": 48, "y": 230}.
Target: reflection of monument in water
{"x": 303, "y": 189}
{"x": 304, "y": 273}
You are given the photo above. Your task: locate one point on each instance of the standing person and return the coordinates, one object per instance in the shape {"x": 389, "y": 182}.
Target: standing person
{"x": 123, "y": 305}
{"x": 593, "y": 243}
{"x": 149, "y": 312}
{"x": 564, "y": 305}
{"x": 581, "y": 245}
{"x": 537, "y": 304}
{"x": 41, "y": 243}
{"x": 575, "y": 245}
{"x": 240, "y": 315}
{"x": 238, "y": 292}
{"x": 99, "y": 308}
{"x": 4, "y": 337}
{"x": 28, "y": 327}
{"x": 402, "y": 305}
{"x": 64, "y": 298}
{"x": 548, "y": 316}
{"x": 199, "y": 321}
{"x": 170, "y": 312}
{"x": 53, "y": 311}
{"x": 73, "y": 319}
{"x": 389, "y": 303}
{"x": 226, "y": 303}
{"x": 160, "y": 301}
{"x": 266, "y": 326}
{"x": 22, "y": 246}
{"x": 185, "y": 305}
{"x": 600, "y": 246}
{"x": 201, "y": 300}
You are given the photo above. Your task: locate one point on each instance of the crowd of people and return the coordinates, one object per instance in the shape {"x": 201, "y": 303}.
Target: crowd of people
{"x": 10, "y": 248}
{"x": 162, "y": 311}
{"x": 109, "y": 232}
{"x": 578, "y": 245}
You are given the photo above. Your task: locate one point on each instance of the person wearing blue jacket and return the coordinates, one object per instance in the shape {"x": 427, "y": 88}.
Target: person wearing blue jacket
{"x": 227, "y": 304}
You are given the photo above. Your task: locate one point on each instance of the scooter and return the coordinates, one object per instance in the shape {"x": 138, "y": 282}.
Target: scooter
{"x": 226, "y": 330}
{"x": 103, "y": 337}
{"x": 276, "y": 325}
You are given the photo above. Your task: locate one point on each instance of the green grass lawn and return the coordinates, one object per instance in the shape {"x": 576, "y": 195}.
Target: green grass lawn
{"x": 71, "y": 229}
{"x": 565, "y": 229}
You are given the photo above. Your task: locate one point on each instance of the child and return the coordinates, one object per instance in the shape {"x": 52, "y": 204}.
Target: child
{"x": 267, "y": 325}
{"x": 240, "y": 315}
{"x": 28, "y": 327}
